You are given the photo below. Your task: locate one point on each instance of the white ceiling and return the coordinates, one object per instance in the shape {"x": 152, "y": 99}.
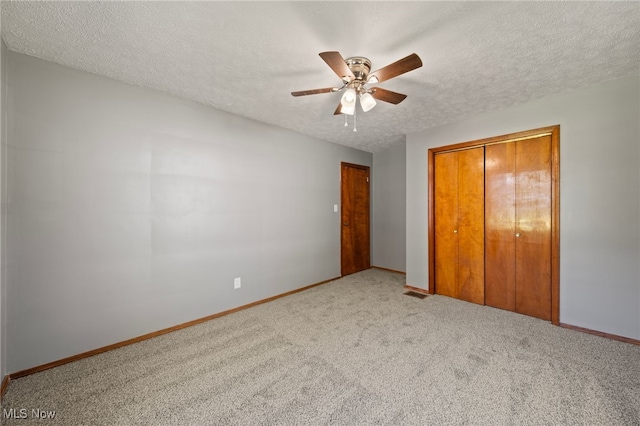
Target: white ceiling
{"x": 246, "y": 57}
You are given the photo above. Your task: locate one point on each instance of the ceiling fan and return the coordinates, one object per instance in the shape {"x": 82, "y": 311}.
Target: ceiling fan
{"x": 355, "y": 75}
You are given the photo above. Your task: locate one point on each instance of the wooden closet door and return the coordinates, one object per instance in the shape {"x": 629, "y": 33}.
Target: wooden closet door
{"x": 518, "y": 226}
{"x": 446, "y": 223}
{"x": 500, "y": 226}
{"x": 459, "y": 224}
{"x": 471, "y": 225}
{"x": 533, "y": 227}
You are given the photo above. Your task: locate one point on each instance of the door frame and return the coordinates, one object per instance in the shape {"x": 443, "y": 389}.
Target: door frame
{"x": 368, "y": 170}
{"x": 554, "y": 132}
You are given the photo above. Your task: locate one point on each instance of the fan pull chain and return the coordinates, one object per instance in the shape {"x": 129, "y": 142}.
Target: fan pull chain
{"x": 355, "y": 112}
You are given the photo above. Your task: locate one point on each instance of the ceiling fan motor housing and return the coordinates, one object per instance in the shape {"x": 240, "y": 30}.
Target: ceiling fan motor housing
{"x": 360, "y": 68}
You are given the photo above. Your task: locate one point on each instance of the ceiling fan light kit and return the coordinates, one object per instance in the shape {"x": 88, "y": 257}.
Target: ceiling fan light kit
{"x": 348, "y": 102}
{"x": 367, "y": 102}
{"x": 355, "y": 75}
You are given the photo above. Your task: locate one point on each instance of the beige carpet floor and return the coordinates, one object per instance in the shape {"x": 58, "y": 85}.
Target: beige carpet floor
{"x": 355, "y": 351}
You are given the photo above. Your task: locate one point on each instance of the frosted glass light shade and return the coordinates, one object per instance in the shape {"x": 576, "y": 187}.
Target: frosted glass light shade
{"x": 349, "y": 109}
{"x": 348, "y": 102}
{"x": 367, "y": 102}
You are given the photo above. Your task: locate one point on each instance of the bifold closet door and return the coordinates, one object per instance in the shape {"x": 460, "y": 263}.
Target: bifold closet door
{"x": 518, "y": 226}
{"x": 459, "y": 224}
{"x": 500, "y": 226}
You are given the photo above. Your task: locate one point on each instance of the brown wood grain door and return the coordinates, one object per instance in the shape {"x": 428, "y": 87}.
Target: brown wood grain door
{"x": 522, "y": 222}
{"x": 355, "y": 227}
{"x": 459, "y": 224}
{"x": 518, "y": 226}
{"x": 446, "y": 223}
{"x": 533, "y": 227}
{"x": 500, "y": 226}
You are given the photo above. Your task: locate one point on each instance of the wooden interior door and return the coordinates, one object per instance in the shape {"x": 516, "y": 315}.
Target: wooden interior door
{"x": 471, "y": 225}
{"x": 522, "y": 222}
{"x": 500, "y": 226}
{"x": 446, "y": 223}
{"x": 533, "y": 227}
{"x": 459, "y": 224}
{"x": 355, "y": 227}
{"x": 518, "y": 226}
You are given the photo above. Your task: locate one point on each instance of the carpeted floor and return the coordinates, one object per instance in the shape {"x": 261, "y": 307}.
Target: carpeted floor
{"x": 351, "y": 352}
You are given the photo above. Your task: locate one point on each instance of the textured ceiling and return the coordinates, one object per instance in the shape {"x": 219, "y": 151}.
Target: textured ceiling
{"x": 246, "y": 57}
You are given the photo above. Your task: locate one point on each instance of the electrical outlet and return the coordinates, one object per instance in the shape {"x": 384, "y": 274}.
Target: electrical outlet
{"x": 237, "y": 283}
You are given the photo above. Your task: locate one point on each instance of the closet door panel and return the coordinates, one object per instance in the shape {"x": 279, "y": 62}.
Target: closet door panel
{"x": 500, "y": 229}
{"x": 533, "y": 227}
{"x": 446, "y": 219}
{"x": 471, "y": 225}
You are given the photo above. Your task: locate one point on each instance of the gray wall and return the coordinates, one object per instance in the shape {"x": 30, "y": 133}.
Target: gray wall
{"x": 3, "y": 211}
{"x": 389, "y": 204}
{"x": 599, "y": 198}
{"x": 131, "y": 211}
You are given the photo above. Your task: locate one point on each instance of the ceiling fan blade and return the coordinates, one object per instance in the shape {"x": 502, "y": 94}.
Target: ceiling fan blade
{"x": 339, "y": 109}
{"x": 387, "y": 95}
{"x": 338, "y": 65}
{"x": 397, "y": 68}
{"x": 313, "y": 92}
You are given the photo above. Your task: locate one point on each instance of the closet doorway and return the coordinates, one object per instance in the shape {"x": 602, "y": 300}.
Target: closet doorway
{"x": 494, "y": 222}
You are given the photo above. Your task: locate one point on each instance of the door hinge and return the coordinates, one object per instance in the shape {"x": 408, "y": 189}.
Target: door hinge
{"x": 367, "y": 178}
